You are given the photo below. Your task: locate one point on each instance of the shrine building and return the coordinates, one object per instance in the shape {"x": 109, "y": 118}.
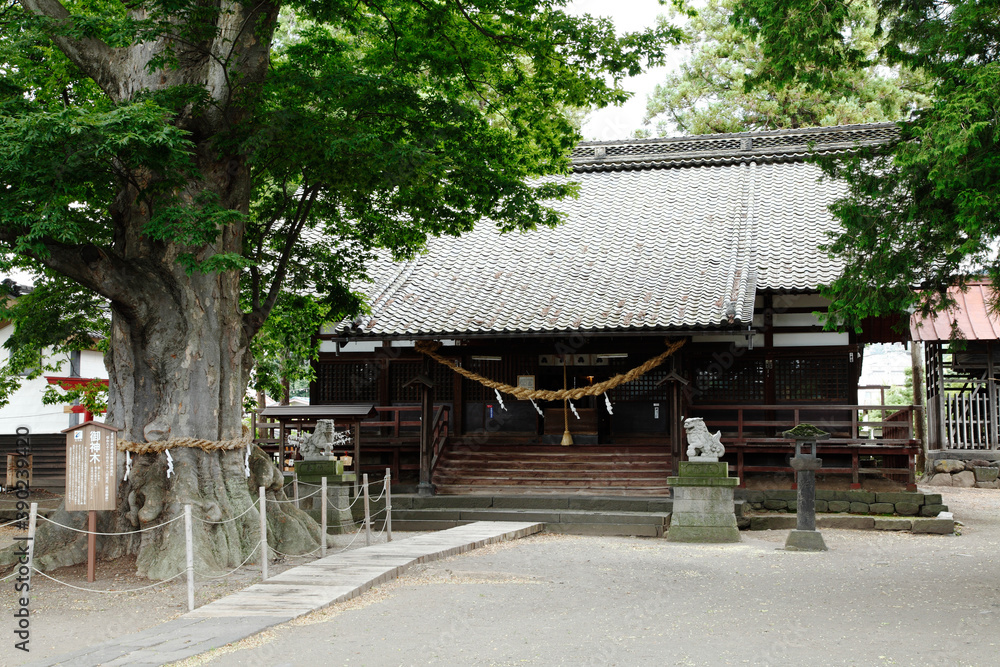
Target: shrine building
{"x": 710, "y": 240}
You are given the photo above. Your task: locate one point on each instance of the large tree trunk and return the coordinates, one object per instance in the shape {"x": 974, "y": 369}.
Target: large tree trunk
{"x": 179, "y": 352}
{"x": 178, "y": 368}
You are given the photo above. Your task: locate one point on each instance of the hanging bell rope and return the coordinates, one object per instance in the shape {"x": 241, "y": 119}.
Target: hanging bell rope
{"x": 430, "y": 349}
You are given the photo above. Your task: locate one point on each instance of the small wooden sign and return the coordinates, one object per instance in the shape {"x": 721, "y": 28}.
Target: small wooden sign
{"x": 91, "y": 470}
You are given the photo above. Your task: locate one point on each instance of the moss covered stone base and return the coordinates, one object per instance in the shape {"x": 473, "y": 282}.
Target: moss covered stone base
{"x": 703, "y": 504}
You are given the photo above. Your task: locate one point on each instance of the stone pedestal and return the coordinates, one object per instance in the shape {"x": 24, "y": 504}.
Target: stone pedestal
{"x": 338, "y": 492}
{"x": 703, "y": 503}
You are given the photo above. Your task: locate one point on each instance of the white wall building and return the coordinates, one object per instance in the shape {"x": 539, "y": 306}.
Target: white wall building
{"x": 26, "y": 408}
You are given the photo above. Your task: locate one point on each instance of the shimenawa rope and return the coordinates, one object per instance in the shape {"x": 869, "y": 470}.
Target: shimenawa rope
{"x": 430, "y": 349}
{"x": 199, "y": 443}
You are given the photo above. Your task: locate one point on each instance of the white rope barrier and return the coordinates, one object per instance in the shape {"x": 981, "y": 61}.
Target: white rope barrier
{"x": 216, "y": 523}
{"x": 10, "y": 523}
{"x": 98, "y": 590}
{"x": 9, "y": 575}
{"x": 308, "y": 553}
{"x": 381, "y": 531}
{"x": 344, "y": 509}
{"x": 293, "y": 500}
{"x": 130, "y": 532}
{"x": 349, "y": 544}
{"x": 223, "y": 576}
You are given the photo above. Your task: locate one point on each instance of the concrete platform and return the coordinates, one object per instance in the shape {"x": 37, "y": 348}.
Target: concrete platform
{"x": 292, "y": 593}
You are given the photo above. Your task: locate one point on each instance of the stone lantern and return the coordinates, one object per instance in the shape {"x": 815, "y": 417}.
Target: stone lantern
{"x": 805, "y": 537}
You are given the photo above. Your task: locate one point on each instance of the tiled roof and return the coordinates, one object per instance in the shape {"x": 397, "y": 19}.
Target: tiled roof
{"x": 971, "y": 314}
{"x": 680, "y": 242}
{"x": 723, "y": 149}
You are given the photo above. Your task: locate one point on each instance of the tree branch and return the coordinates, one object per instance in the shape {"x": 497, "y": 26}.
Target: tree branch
{"x": 91, "y": 55}
{"x": 93, "y": 267}
{"x": 254, "y": 320}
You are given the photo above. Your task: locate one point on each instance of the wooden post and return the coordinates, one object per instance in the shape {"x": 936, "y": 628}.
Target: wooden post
{"x": 189, "y": 545}
{"x": 322, "y": 518}
{"x": 32, "y": 524}
{"x": 263, "y": 535}
{"x": 425, "y": 488}
{"x": 295, "y": 488}
{"x": 357, "y": 456}
{"x": 368, "y": 516}
{"x": 943, "y": 434}
{"x": 91, "y": 545}
{"x": 991, "y": 388}
{"x": 388, "y": 505}
{"x": 281, "y": 445}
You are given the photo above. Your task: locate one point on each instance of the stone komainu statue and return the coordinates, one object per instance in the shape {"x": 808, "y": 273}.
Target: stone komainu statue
{"x": 320, "y": 442}
{"x": 700, "y": 441}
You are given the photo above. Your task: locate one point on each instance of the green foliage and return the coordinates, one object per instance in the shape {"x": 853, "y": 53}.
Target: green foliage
{"x": 287, "y": 344}
{"x": 93, "y": 396}
{"x": 901, "y": 395}
{"x": 708, "y": 94}
{"x": 923, "y": 212}
{"x": 348, "y": 130}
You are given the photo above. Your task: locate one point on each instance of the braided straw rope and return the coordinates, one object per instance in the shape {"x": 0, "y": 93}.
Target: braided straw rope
{"x": 430, "y": 349}
{"x": 205, "y": 445}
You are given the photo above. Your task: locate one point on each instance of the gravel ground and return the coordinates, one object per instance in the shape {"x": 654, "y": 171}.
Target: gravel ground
{"x": 876, "y": 598}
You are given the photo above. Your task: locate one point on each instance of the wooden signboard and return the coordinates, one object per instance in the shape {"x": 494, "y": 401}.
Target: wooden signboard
{"x": 91, "y": 471}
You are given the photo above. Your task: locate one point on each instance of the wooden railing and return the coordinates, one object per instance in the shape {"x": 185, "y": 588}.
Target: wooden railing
{"x": 846, "y": 423}
{"x": 968, "y": 417}
{"x": 391, "y": 425}
{"x": 754, "y": 434}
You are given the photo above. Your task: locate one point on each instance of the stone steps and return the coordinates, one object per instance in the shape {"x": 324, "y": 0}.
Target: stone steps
{"x": 545, "y": 468}
{"x": 577, "y": 522}
{"x": 572, "y": 514}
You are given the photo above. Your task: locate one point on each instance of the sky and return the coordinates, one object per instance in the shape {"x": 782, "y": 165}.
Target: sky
{"x": 628, "y": 16}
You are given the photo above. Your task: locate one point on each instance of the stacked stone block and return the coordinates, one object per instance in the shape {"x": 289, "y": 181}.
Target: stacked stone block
{"x": 703, "y": 504}
{"x": 968, "y": 474}
{"x": 852, "y": 502}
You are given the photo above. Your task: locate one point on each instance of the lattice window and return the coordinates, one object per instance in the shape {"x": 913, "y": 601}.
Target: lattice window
{"x": 742, "y": 383}
{"x": 812, "y": 380}
{"x": 643, "y": 388}
{"x": 401, "y": 372}
{"x": 506, "y": 370}
{"x": 344, "y": 382}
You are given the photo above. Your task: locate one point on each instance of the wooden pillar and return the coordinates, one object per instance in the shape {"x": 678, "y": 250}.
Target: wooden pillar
{"x": 458, "y": 405}
{"x": 357, "y": 456}
{"x": 991, "y": 418}
{"x": 425, "y": 488}
{"x": 676, "y": 429}
{"x": 917, "y": 364}
{"x": 942, "y": 402}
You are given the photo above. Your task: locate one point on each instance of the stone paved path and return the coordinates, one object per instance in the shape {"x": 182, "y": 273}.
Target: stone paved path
{"x": 292, "y": 593}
